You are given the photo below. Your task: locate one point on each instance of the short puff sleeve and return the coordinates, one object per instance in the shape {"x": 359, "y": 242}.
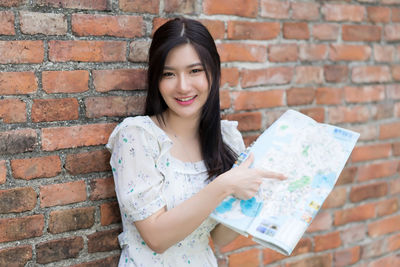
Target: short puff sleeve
{"x": 232, "y": 136}
{"x": 138, "y": 183}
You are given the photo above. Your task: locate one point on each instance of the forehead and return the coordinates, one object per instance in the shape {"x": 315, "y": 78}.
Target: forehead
{"x": 182, "y": 56}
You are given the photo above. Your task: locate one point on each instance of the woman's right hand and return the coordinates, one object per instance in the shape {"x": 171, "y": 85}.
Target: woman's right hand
{"x": 245, "y": 181}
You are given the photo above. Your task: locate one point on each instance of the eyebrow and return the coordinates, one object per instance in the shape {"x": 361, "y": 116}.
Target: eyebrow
{"x": 187, "y": 67}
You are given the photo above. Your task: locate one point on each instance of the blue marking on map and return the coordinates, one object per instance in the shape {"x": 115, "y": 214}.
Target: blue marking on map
{"x": 250, "y": 207}
{"x": 323, "y": 180}
{"x": 225, "y": 205}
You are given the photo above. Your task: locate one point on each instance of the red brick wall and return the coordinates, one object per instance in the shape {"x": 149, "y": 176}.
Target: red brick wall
{"x": 70, "y": 70}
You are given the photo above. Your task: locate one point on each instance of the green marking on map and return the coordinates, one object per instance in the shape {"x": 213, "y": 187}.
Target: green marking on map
{"x": 303, "y": 181}
{"x": 305, "y": 150}
{"x": 284, "y": 127}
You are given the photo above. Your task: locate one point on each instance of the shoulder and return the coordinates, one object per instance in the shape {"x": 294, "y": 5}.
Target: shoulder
{"x": 232, "y": 136}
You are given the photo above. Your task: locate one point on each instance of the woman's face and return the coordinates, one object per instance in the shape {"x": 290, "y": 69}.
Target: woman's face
{"x": 183, "y": 85}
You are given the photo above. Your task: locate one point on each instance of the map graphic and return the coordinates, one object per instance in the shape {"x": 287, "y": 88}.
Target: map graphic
{"x": 311, "y": 155}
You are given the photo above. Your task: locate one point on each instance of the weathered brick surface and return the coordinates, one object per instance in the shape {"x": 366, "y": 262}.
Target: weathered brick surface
{"x": 109, "y": 213}
{"x": 55, "y": 109}
{"x": 78, "y": 4}
{"x": 122, "y": 79}
{"x": 18, "y": 83}
{"x": 17, "y": 199}
{"x": 113, "y": 106}
{"x": 56, "y": 250}
{"x": 62, "y": 194}
{"x": 3, "y": 171}
{"x": 71, "y": 219}
{"x": 74, "y": 81}
{"x": 31, "y": 168}
{"x": 18, "y": 52}
{"x": 103, "y": 241}
{"x": 12, "y": 229}
{"x": 43, "y": 23}
{"x": 12, "y": 110}
{"x": 15, "y": 256}
{"x": 7, "y": 23}
{"x": 94, "y": 161}
{"x": 101, "y": 188}
{"x": 17, "y": 141}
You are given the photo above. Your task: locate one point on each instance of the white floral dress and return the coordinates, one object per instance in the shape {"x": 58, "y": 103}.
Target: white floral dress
{"x": 148, "y": 178}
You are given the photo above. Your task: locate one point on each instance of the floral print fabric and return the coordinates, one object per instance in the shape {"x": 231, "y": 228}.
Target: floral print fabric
{"x": 147, "y": 178}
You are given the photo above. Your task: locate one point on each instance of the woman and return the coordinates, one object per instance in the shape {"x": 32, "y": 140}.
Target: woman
{"x": 172, "y": 167}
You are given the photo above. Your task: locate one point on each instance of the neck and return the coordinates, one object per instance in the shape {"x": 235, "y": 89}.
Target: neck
{"x": 187, "y": 128}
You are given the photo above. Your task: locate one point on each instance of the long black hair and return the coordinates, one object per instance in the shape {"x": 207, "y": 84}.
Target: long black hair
{"x": 217, "y": 156}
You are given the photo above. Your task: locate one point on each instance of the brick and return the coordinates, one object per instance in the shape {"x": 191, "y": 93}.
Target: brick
{"x": 7, "y": 23}
{"x": 327, "y": 241}
{"x": 17, "y": 141}
{"x": 336, "y": 73}
{"x": 368, "y": 132}
{"x": 157, "y": 22}
{"x": 275, "y": 9}
{"x": 120, "y": 79}
{"x": 377, "y": 170}
{"x": 355, "y": 214}
{"x": 239, "y": 30}
{"x": 296, "y": 30}
{"x": 345, "y": 52}
{"x": 309, "y": 75}
{"x": 109, "y": 213}
{"x": 304, "y": 246}
{"x": 224, "y": 99}
{"x": 77, "y": 4}
{"x": 378, "y": 14}
{"x": 361, "y": 33}
{"x": 87, "y": 162}
{"x": 256, "y": 100}
{"x": 242, "y": 52}
{"x": 231, "y": 7}
{"x": 180, "y": 6}
{"x": 12, "y": 110}
{"x": 318, "y": 114}
{"x": 248, "y": 121}
{"x": 384, "y": 226}
{"x": 392, "y": 32}
{"x": 393, "y": 242}
{"x": 364, "y": 94}
{"x": 76, "y": 136}
{"x": 337, "y": 198}
{"x": 396, "y": 149}
{"x": 229, "y": 77}
{"x": 300, "y": 96}
{"x": 30, "y": 168}
{"x": 384, "y": 53}
{"x": 346, "y": 257}
{"x": 239, "y": 242}
{"x": 15, "y": 256}
{"x": 305, "y": 11}
{"x": 248, "y": 258}
{"x": 62, "y": 194}
{"x": 395, "y": 14}
{"x": 103, "y": 241}
{"x": 396, "y": 72}
{"x": 388, "y": 261}
{"x": 313, "y": 260}
{"x": 282, "y": 52}
{"x": 249, "y": 139}
{"x": 370, "y": 74}
{"x": 138, "y": 51}
{"x": 100, "y": 25}
{"x": 3, "y": 171}
{"x": 266, "y": 76}
{"x": 215, "y": 27}
{"x": 75, "y": 81}
{"x": 43, "y": 23}
{"x": 61, "y": 109}
{"x": 371, "y": 152}
{"x": 87, "y": 51}
{"x": 382, "y": 110}
{"x": 60, "y": 249}
{"x": 389, "y": 130}
{"x": 372, "y": 249}
{"x": 313, "y": 52}
{"x": 347, "y": 176}
{"x": 12, "y": 229}
{"x": 112, "y": 106}
{"x": 17, "y": 52}
{"x": 17, "y": 199}
{"x": 12, "y": 3}
{"x": 325, "y": 31}
{"x": 354, "y": 233}
{"x": 111, "y": 261}
{"x": 72, "y": 219}
{"x": 151, "y": 6}
{"x": 270, "y": 256}
{"x": 361, "y": 192}
{"x": 321, "y": 222}
{"x": 328, "y": 96}
{"x": 343, "y": 12}
{"x": 387, "y": 207}
{"x": 102, "y": 188}
{"x": 393, "y": 91}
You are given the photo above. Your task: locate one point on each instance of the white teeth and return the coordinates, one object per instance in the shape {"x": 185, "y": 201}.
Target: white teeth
{"x": 185, "y": 99}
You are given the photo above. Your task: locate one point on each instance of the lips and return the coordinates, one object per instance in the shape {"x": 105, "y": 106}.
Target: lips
{"x": 186, "y": 100}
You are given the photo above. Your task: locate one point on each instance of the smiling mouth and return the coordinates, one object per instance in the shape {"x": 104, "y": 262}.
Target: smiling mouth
{"x": 186, "y": 98}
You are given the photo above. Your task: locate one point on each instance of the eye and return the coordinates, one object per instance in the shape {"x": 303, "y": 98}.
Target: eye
{"x": 167, "y": 74}
{"x": 196, "y": 70}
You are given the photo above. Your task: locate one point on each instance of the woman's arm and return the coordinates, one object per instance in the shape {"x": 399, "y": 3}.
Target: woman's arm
{"x": 165, "y": 228}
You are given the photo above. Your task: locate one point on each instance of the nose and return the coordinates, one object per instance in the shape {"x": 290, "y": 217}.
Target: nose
{"x": 183, "y": 83}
